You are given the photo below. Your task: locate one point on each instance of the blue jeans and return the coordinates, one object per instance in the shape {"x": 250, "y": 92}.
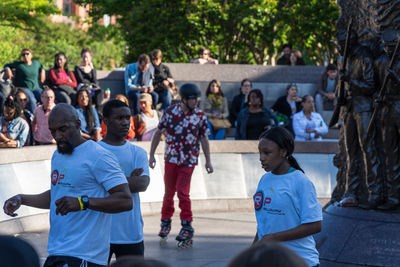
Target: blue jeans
{"x": 34, "y": 97}
{"x": 133, "y": 97}
{"x": 165, "y": 98}
{"x": 216, "y": 135}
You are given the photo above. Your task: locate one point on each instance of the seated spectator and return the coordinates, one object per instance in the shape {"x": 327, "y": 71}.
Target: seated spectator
{"x": 308, "y": 125}
{"x": 28, "y": 72}
{"x": 285, "y": 56}
{"x": 163, "y": 83}
{"x": 271, "y": 254}
{"x": 204, "y": 57}
{"x": 131, "y": 132}
{"x": 139, "y": 79}
{"x": 286, "y": 106}
{"x": 325, "y": 96}
{"x": 147, "y": 121}
{"x": 22, "y": 98}
{"x": 86, "y": 75}
{"x": 62, "y": 80}
{"x": 296, "y": 58}
{"x": 215, "y": 106}
{"x": 240, "y": 101}
{"x": 90, "y": 123}
{"x": 254, "y": 119}
{"x": 14, "y": 130}
{"x": 40, "y": 124}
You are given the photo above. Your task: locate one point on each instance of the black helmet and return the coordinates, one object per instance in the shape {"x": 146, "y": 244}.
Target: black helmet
{"x": 189, "y": 90}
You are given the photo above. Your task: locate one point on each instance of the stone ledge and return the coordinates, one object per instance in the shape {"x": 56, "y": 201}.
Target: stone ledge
{"x": 35, "y": 153}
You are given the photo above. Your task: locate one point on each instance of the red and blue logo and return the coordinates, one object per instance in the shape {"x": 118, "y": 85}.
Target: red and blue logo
{"x": 258, "y": 200}
{"x": 55, "y": 177}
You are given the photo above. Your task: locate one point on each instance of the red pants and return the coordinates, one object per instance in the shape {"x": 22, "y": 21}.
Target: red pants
{"x": 177, "y": 179}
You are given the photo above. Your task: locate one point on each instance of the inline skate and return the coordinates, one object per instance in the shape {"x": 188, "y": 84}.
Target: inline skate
{"x": 165, "y": 229}
{"x": 185, "y": 235}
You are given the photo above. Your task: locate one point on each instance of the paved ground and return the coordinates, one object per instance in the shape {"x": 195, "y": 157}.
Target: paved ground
{"x": 218, "y": 238}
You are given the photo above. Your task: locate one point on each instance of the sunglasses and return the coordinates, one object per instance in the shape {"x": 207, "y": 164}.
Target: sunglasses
{"x": 23, "y": 99}
{"x": 25, "y": 54}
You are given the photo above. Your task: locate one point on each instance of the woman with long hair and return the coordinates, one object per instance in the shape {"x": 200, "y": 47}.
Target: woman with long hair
{"x": 90, "y": 123}
{"x": 22, "y": 98}
{"x": 254, "y": 119}
{"x": 86, "y": 75}
{"x": 14, "y": 129}
{"x": 62, "y": 80}
{"x": 215, "y": 106}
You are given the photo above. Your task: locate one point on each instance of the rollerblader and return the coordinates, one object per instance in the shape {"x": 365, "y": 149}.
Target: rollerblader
{"x": 185, "y": 128}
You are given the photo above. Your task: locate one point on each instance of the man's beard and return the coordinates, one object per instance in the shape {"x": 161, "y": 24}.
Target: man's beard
{"x": 67, "y": 149}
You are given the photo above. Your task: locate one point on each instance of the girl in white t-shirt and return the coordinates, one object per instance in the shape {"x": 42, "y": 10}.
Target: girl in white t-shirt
{"x": 286, "y": 205}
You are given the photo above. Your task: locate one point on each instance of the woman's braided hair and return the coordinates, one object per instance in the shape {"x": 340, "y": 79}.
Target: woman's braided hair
{"x": 284, "y": 139}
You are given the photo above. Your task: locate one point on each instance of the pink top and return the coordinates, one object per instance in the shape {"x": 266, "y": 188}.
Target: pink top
{"x": 62, "y": 78}
{"x": 41, "y": 132}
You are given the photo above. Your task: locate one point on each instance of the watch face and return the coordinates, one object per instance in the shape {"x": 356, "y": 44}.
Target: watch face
{"x": 85, "y": 199}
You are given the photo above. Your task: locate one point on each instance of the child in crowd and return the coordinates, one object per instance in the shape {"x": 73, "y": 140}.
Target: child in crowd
{"x": 286, "y": 205}
{"x": 14, "y": 129}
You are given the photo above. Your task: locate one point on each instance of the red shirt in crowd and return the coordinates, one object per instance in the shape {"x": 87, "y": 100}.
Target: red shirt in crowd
{"x": 62, "y": 78}
{"x": 183, "y": 133}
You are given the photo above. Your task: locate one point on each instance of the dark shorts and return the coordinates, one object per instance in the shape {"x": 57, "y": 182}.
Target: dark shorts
{"x": 126, "y": 249}
{"x": 66, "y": 261}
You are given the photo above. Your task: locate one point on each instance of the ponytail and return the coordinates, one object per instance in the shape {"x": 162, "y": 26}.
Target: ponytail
{"x": 284, "y": 139}
{"x": 293, "y": 163}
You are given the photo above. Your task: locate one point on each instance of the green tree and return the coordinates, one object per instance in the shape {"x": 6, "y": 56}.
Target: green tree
{"x": 108, "y": 48}
{"x": 242, "y": 31}
{"x": 26, "y": 14}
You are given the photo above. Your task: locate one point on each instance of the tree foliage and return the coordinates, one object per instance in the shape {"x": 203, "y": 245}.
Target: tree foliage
{"x": 26, "y": 14}
{"x": 108, "y": 48}
{"x": 241, "y": 31}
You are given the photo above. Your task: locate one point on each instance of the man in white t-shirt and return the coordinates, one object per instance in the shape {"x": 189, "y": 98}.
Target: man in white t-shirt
{"x": 86, "y": 184}
{"x": 126, "y": 227}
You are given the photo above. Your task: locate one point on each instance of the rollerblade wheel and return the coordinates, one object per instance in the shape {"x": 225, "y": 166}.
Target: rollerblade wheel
{"x": 185, "y": 244}
{"x": 163, "y": 241}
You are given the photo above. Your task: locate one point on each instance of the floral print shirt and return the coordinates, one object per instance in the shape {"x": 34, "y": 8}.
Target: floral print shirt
{"x": 183, "y": 133}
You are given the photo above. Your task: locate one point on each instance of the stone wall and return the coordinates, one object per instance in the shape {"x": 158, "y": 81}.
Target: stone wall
{"x": 272, "y": 80}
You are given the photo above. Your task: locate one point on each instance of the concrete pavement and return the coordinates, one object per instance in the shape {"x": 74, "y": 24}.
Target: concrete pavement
{"x": 218, "y": 238}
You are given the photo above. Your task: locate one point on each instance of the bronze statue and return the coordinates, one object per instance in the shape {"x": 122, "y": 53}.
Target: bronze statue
{"x": 371, "y": 177}
{"x": 388, "y": 74}
{"x": 359, "y": 90}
